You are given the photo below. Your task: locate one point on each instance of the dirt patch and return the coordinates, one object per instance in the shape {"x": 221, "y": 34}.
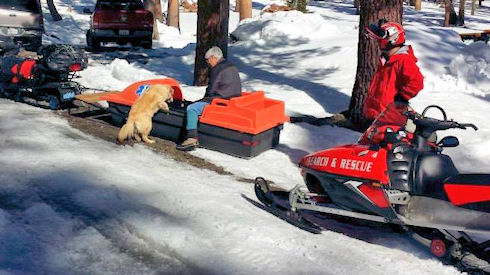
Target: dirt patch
{"x": 96, "y": 123}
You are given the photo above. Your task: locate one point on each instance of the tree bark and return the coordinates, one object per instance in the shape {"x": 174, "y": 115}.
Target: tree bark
{"x": 173, "y": 14}
{"x": 237, "y": 5}
{"x": 450, "y": 15}
{"x": 158, "y": 14}
{"x": 212, "y": 30}
{"x": 245, "y": 9}
{"x": 150, "y": 5}
{"x": 473, "y": 6}
{"x": 368, "y": 51}
{"x": 461, "y": 12}
{"x": 357, "y": 5}
{"x": 418, "y": 5}
{"x": 52, "y": 10}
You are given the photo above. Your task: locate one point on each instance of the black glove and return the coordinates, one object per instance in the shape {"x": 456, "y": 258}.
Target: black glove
{"x": 400, "y": 100}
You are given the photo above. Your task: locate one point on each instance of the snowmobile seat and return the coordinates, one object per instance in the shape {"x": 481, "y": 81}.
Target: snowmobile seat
{"x": 470, "y": 179}
{"x": 430, "y": 174}
{"x": 470, "y": 191}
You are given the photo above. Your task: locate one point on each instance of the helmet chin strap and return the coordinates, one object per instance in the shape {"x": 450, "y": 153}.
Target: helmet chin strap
{"x": 385, "y": 52}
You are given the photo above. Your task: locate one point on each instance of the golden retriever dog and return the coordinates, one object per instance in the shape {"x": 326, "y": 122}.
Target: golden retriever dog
{"x": 141, "y": 114}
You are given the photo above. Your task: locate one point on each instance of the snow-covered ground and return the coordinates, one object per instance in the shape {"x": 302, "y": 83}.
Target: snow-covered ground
{"x": 71, "y": 203}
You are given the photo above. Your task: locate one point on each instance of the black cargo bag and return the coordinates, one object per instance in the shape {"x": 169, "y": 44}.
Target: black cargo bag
{"x": 6, "y": 64}
{"x": 61, "y": 57}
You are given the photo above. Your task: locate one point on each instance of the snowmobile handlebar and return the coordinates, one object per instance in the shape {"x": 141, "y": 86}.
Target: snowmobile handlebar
{"x": 427, "y": 125}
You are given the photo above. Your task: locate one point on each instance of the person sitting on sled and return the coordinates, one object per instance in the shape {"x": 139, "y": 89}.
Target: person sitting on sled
{"x": 397, "y": 78}
{"x": 224, "y": 82}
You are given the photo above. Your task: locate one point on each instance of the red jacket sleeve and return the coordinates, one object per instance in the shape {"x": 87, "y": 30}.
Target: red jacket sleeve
{"x": 411, "y": 80}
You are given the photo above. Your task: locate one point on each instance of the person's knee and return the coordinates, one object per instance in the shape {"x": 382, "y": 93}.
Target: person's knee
{"x": 196, "y": 108}
{"x": 192, "y": 110}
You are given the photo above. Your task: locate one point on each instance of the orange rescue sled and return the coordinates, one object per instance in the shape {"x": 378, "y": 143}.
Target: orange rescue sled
{"x": 243, "y": 126}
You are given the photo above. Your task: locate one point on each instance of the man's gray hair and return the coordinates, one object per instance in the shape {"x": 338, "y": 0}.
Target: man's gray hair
{"x": 214, "y": 51}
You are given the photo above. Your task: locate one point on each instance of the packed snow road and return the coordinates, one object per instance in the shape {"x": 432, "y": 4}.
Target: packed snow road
{"x": 72, "y": 203}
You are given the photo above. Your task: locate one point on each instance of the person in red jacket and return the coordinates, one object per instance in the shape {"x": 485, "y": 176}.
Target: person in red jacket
{"x": 397, "y": 77}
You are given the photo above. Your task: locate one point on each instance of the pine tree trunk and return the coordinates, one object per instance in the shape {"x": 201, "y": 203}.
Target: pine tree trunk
{"x": 173, "y": 14}
{"x": 368, "y": 51}
{"x": 450, "y": 15}
{"x": 418, "y": 5}
{"x": 212, "y": 30}
{"x": 237, "y": 5}
{"x": 245, "y": 9}
{"x": 473, "y": 6}
{"x": 150, "y": 6}
{"x": 447, "y": 13}
{"x": 461, "y": 12}
{"x": 356, "y": 5}
{"x": 158, "y": 11}
{"x": 52, "y": 10}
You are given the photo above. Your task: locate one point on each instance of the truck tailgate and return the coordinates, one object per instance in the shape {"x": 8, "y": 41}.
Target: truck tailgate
{"x": 123, "y": 19}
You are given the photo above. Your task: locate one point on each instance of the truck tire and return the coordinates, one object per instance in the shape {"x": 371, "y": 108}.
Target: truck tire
{"x": 147, "y": 44}
{"x": 35, "y": 44}
{"x": 92, "y": 43}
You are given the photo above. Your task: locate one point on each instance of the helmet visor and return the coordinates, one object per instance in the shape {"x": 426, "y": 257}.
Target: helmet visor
{"x": 374, "y": 32}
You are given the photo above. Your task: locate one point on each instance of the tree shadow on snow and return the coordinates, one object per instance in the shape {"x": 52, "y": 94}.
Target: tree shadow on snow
{"x": 483, "y": 97}
{"x": 335, "y": 6}
{"x": 257, "y": 63}
{"x": 81, "y": 203}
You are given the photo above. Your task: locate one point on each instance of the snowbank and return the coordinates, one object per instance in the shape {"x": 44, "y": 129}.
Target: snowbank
{"x": 473, "y": 66}
{"x": 116, "y": 75}
{"x": 285, "y": 25}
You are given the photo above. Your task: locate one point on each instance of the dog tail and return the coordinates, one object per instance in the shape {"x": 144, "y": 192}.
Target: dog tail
{"x": 126, "y": 131}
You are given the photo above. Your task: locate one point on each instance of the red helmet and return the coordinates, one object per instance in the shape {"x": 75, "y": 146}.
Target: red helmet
{"x": 388, "y": 34}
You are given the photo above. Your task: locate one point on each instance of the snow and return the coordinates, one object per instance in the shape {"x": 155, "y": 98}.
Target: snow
{"x": 473, "y": 67}
{"x": 72, "y": 203}
{"x": 285, "y": 25}
{"x": 77, "y": 204}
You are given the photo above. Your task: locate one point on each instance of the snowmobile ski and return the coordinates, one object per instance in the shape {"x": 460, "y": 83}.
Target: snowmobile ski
{"x": 277, "y": 203}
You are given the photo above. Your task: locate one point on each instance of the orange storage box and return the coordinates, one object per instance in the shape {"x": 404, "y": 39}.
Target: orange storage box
{"x": 243, "y": 126}
{"x": 251, "y": 113}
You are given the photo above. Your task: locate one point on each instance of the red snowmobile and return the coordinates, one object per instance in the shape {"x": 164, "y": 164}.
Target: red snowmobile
{"x": 396, "y": 174}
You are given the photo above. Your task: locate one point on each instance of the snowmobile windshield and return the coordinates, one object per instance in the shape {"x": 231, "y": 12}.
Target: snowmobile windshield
{"x": 393, "y": 118}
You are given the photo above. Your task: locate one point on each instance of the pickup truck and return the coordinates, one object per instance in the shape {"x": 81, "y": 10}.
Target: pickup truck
{"x": 121, "y": 22}
{"x": 21, "y": 24}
